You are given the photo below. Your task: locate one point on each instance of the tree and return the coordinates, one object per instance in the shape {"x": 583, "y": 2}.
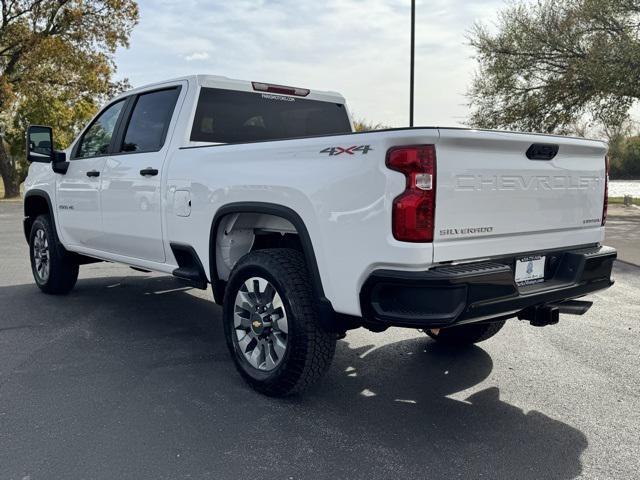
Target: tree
{"x": 56, "y": 67}
{"x": 551, "y": 64}
{"x": 625, "y": 164}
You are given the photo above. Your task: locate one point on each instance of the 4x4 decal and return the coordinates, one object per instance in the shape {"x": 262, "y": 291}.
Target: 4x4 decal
{"x": 364, "y": 149}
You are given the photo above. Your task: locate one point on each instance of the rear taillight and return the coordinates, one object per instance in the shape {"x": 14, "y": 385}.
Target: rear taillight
{"x": 413, "y": 215}
{"x": 605, "y": 205}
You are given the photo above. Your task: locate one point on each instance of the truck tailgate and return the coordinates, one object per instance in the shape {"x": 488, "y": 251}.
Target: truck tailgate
{"x": 491, "y": 199}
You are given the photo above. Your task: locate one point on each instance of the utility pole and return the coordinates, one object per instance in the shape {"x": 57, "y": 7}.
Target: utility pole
{"x": 413, "y": 53}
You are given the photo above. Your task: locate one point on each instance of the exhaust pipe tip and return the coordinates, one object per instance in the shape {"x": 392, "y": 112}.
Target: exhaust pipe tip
{"x": 575, "y": 307}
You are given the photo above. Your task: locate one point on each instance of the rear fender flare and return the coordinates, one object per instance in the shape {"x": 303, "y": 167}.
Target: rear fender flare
{"x": 328, "y": 317}
{"x": 269, "y": 209}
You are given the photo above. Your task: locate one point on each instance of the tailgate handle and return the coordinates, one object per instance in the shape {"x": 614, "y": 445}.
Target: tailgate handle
{"x": 542, "y": 151}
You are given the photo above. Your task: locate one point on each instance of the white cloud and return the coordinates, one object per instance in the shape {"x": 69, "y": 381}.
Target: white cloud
{"x": 359, "y": 48}
{"x": 196, "y": 56}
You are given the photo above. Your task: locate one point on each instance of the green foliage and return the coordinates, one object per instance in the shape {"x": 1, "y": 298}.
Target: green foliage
{"x": 555, "y": 62}
{"x": 625, "y": 158}
{"x": 56, "y": 68}
{"x": 620, "y": 201}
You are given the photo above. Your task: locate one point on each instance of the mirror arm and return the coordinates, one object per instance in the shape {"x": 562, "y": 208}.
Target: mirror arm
{"x": 60, "y": 164}
{"x": 59, "y": 156}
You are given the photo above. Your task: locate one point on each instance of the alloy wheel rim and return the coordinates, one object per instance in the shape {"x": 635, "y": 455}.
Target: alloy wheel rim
{"x": 41, "y": 255}
{"x": 260, "y": 324}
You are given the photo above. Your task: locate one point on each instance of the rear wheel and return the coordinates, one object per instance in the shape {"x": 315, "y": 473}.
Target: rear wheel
{"x": 53, "y": 269}
{"x": 466, "y": 334}
{"x": 271, "y": 325}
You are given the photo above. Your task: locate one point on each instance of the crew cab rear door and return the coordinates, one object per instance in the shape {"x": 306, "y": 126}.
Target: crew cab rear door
{"x": 131, "y": 180}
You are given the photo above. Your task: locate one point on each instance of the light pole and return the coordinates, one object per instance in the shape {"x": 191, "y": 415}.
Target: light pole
{"x": 413, "y": 52}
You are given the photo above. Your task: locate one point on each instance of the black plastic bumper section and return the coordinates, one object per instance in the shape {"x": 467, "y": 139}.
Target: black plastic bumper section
{"x": 471, "y": 292}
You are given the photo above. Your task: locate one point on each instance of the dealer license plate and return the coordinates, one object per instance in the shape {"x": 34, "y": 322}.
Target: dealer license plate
{"x": 530, "y": 270}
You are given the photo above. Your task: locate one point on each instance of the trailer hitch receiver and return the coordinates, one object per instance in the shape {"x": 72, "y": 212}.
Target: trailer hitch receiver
{"x": 541, "y": 315}
{"x": 549, "y": 314}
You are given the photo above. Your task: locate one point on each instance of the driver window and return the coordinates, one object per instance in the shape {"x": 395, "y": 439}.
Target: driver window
{"x": 95, "y": 141}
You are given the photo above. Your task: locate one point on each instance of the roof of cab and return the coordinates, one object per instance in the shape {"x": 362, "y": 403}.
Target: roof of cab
{"x": 218, "y": 81}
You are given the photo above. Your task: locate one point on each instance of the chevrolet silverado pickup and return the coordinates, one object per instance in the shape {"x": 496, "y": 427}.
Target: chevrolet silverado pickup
{"x": 305, "y": 229}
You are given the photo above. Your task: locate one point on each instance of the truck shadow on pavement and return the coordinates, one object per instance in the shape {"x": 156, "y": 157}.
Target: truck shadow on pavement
{"x": 130, "y": 377}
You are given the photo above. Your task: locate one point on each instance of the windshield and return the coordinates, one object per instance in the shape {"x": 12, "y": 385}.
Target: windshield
{"x": 229, "y": 116}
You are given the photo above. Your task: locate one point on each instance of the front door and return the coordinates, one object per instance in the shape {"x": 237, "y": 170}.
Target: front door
{"x": 131, "y": 181}
{"x": 78, "y": 191}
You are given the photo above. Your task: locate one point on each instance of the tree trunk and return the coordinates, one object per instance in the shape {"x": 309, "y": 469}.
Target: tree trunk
{"x": 9, "y": 174}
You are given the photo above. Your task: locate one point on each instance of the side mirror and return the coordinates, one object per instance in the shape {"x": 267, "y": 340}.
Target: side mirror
{"x": 40, "y": 144}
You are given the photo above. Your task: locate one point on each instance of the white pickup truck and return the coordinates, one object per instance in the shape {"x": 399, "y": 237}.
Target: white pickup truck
{"x": 306, "y": 229}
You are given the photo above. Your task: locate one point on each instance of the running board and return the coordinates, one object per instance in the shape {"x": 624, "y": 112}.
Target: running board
{"x": 190, "y": 268}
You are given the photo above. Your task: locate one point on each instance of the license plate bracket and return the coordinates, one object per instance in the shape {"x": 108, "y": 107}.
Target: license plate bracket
{"x": 529, "y": 270}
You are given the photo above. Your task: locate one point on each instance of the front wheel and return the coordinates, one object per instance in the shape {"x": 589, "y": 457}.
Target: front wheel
{"x": 53, "y": 270}
{"x": 271, "y": 325}
{"x": 466, "y": 334}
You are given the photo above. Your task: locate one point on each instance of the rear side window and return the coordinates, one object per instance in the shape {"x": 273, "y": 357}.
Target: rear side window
{"x": 96, "y": 140}
{"x": 228, "y": 116}
{"x": 147, "y": 128}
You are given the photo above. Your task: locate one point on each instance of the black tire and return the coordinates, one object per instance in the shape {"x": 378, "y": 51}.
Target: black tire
{"x": 62, "y": 272}
{"x": 466, "y": 334}
{"x": 309, "y": 348}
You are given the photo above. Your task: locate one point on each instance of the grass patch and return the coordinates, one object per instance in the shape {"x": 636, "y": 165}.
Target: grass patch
{"x": 620, "y": 201}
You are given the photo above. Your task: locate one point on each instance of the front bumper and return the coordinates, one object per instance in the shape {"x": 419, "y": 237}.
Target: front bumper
{"x": 471, "y": 292}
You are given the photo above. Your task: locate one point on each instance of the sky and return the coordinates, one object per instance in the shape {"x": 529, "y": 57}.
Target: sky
{"x": 359, "y": 48}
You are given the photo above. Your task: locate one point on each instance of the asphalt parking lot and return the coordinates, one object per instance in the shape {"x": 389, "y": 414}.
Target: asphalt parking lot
{"x": 129, "y": 377}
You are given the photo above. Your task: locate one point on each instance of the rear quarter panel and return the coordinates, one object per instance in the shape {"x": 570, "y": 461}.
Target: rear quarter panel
{"x": 344, "y": 200}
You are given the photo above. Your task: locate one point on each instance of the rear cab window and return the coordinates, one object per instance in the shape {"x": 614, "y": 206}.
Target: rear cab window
{"x": 229, "y": 116}
{"x": 149, "y": 121}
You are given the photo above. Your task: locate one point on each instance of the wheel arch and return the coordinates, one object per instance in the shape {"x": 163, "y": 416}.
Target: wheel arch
{"x": 265, "y": 208}
{"x": 37, "y": 202}
{"x": 329, "y": 318}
